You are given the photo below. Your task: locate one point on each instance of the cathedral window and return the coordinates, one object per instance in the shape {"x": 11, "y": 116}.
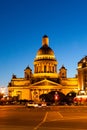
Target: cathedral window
{"x": 44, "y": 68}
{"x": 53, "y": 69}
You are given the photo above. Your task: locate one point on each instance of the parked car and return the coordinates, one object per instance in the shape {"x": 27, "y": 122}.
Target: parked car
{"x": 43, "y": 104}
{"x": 31, "y": 105}
{"x": 80, "y": 99}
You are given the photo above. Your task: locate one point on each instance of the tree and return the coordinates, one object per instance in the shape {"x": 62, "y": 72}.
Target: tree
{"x": 50, "y": 97}
{"x": 44, "y": 97}
{"x": 69, "y": 97}
{"x": 61, "y": 97}
{"x": 1, "y": 95}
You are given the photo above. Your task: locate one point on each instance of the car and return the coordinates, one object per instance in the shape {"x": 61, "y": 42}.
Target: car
{"x": 43, "y": 104}
{"x": 80, "y": 99}
{"x": 31, "y": 105}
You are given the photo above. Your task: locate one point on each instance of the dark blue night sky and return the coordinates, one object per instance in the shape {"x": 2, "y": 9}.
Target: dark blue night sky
{"x": 23, "y": 24}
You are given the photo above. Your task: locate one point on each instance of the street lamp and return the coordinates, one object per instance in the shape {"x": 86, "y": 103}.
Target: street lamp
{"x": 56, "y": 97}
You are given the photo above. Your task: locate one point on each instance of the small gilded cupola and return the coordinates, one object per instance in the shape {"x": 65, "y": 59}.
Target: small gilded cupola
{"x": 63, "y": 72}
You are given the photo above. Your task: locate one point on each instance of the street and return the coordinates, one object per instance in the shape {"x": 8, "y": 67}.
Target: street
{"x": 49, "y": 118}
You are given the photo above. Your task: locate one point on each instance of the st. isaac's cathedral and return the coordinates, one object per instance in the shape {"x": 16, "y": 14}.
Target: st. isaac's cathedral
{"x": 46, "y": 78}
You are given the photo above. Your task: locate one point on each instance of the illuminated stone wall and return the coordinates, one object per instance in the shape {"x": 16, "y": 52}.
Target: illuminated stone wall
{"x": 82, "y": 73}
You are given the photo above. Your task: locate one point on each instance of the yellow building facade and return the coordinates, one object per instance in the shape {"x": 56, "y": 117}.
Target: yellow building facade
{"x": 82, "y": 74}
{"x": 45, "y": 78}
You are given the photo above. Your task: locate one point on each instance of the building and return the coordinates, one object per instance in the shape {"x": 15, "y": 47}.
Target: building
{"x": 45, "y": 77}
{"x": 82, "y": 74}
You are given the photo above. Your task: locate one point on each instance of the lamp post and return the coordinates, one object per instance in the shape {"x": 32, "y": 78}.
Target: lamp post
{"x": 56, "y": 97}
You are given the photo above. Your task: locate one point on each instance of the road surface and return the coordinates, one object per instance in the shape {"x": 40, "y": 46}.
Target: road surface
{"x": 47, "y": 118}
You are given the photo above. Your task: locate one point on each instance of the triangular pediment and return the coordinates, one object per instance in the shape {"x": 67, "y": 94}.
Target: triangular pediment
{"x": 45, "y": 82}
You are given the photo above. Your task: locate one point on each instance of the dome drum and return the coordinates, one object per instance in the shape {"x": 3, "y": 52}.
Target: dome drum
{"x": 44, "y": 75}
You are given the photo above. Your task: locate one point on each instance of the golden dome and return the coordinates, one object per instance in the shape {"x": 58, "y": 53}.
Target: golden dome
{"x": 45, "y": 50}
{"x": 45, "y": 63}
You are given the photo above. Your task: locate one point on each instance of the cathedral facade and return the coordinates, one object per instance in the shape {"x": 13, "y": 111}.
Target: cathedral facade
{"x": 45, "y": 77}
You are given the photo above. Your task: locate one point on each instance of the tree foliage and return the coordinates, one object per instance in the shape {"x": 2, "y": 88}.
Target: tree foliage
{"x": 50, "y": 97}
{"x": 69, "y": 97}
{"x": 1, "y": 95}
